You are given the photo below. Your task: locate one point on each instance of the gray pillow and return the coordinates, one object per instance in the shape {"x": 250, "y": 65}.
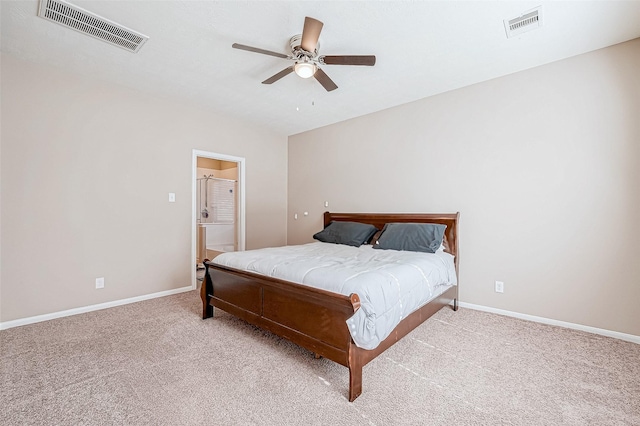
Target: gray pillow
{"x": 349, "y": 233}
{"x": 423, "y": 237}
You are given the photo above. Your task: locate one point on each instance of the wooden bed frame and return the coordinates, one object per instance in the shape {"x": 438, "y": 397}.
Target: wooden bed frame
{"x": 316, "y": 319}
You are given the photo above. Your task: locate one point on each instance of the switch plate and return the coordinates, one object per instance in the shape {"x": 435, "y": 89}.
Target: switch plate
{"x": 499, "y": 287}
{"x": 326, "y": 204}
{"x": 100, "y": 282}
{"x": 172, "y": 197}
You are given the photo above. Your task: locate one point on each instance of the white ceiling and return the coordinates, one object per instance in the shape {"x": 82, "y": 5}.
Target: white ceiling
{"x": 422, "y": 47}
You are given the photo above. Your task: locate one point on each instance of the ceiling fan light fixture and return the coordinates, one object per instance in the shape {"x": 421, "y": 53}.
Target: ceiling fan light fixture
{"x": 305, "y": 69}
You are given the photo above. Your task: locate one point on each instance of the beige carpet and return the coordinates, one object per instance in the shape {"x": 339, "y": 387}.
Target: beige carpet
{"x": 158, "y": 363}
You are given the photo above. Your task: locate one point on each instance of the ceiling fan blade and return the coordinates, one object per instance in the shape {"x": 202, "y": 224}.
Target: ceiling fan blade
{"x": 279, "y": 75}
{"x": 257, "y": 50}
{"x": 310, "y": 34}
{"x": 324, "y": 79}
{"x": 369, "y": 60}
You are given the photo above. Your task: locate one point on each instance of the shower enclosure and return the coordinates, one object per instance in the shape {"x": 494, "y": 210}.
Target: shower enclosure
{"x": 216, "y": 216}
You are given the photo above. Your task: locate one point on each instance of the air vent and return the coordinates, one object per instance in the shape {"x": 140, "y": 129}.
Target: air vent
{"x": 529, "y": 20}
{"x": 78, "y": 19}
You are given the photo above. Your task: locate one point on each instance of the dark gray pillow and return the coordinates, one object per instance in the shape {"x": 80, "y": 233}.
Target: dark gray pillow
{"x": 424, "y": 237}
{"x": 349, "y": 233}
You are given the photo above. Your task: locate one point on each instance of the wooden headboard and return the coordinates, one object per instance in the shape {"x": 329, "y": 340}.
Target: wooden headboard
{"x": 380, "y": 219}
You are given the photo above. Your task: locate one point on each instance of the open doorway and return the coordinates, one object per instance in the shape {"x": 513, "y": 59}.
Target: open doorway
{"x": 218, "y": 214}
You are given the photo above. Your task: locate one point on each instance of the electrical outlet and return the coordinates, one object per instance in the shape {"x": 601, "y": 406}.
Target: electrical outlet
{"x": 499, "y": 287}
{"x": 100, "y": 282}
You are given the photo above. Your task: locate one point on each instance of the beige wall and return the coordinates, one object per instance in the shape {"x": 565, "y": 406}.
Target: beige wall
{"x": 86, "y": 171}
{"x": 544, "y": 166}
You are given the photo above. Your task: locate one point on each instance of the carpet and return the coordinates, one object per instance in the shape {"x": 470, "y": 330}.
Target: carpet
{"x": 158, "y": 363}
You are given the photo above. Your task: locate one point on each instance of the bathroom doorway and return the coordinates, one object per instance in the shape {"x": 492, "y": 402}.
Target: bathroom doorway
{"x": 218, "y": 208}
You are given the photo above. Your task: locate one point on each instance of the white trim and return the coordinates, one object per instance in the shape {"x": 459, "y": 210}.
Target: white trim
{"x": 241, "y": 202}
{"x": 84, "y": 309}
{"x": 608, "y": 333}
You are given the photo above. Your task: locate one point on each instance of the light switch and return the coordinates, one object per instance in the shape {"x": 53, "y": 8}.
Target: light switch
{"x": 172, "y": 197}
{"x": 326, "y": 204}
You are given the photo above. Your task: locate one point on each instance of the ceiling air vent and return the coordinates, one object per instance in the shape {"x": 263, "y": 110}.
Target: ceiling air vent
{"x": 529, "y": 20}
{"x": 78, "y": 19}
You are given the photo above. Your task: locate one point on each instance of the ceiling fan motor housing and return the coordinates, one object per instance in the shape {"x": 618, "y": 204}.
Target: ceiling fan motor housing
{"x": 297, "y": 50}
{"x": 306, "y": 63}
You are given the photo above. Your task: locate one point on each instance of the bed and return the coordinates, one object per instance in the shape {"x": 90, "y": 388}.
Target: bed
{"x": 318, "y": 319}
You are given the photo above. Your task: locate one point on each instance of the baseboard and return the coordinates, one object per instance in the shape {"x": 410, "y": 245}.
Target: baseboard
{"x": 622, "y": 336}
{"x": 82, "y": 310}
{"x": 46, "y": 317}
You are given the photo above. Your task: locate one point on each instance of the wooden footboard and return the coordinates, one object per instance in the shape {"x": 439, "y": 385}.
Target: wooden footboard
{"x": 312, "y": 318}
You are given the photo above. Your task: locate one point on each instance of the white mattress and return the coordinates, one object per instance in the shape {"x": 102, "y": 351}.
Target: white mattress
{"x": 391, "y": 284}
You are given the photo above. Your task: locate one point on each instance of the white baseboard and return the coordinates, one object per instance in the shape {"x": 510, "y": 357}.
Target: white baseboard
{"x": 76, "y": 311}
{"x": 39, "y": 318}
{"x": 622, "y": 336}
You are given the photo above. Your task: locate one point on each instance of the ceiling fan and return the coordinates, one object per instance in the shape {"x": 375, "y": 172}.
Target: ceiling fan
{"x": 304, "y": 53}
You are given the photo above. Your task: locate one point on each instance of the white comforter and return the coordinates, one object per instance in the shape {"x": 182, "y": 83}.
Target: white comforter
{"x": 391, "y": 284}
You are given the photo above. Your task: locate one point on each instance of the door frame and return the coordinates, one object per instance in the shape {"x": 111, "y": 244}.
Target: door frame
{"x": 240, "y": 214}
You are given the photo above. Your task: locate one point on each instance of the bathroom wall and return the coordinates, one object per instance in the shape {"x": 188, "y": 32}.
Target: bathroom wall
{"x": 213, "y": 238}
{"x": 215, "y": 168}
